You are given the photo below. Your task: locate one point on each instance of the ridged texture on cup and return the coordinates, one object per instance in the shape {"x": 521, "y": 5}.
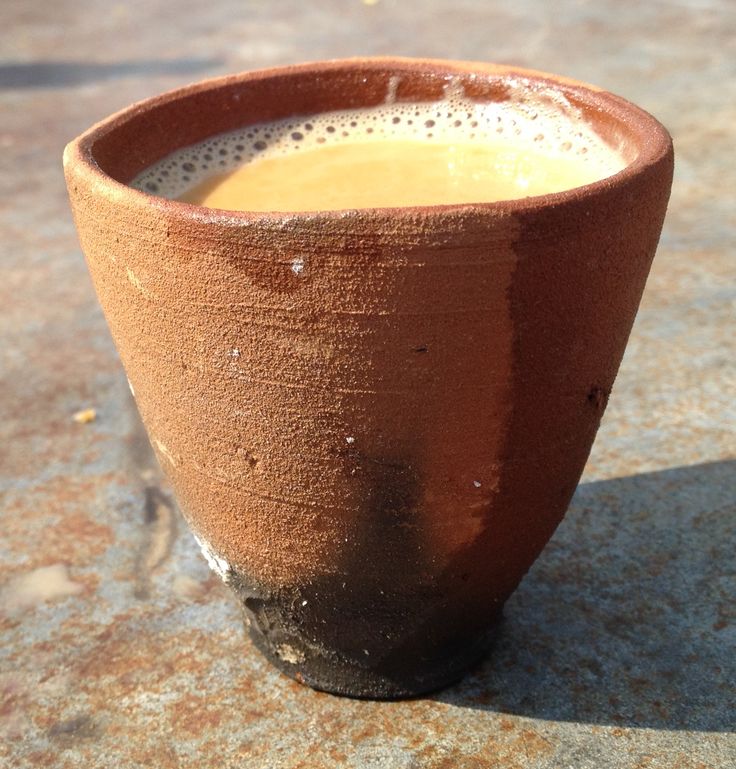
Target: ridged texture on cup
{"x": 373, "y": 420}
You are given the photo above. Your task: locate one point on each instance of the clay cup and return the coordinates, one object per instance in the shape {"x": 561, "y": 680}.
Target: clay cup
{"x": 373, "y": 449}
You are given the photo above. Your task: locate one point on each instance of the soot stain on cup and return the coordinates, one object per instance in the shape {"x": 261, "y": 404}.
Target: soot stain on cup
{"x": 340, "y": 621}
{"x": 363, "y": 629}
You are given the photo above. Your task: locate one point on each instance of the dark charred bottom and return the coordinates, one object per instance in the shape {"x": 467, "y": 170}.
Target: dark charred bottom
{"x": 314, "y": 634}
{"x": 385, "y": 622}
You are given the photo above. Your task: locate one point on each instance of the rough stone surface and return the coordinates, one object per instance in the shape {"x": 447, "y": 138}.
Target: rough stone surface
{"x": 120, "y": 647}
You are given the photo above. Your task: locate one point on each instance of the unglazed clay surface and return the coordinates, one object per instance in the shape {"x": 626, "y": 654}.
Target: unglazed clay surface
{"x": 375, "y": 419}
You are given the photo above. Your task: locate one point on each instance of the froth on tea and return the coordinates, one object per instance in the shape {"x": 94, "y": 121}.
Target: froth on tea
{"x": 398, "y": 154}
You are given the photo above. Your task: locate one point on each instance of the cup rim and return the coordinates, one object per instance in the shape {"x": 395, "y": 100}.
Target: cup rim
{"x": 653, "y": 145}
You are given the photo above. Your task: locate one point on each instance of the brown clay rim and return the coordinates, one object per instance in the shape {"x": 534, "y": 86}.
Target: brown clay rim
{"x": 652, "y": 141}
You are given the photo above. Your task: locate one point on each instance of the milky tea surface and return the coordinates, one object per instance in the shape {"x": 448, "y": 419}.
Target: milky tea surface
{"x": 397, "y": 154}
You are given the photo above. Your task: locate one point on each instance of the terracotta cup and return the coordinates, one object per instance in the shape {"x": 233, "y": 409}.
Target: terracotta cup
{"x": 372, "y": 450}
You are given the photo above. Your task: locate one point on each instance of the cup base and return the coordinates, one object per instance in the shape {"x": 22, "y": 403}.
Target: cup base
{"x": 340, "y": 676}
{"x": 355, "y": 662}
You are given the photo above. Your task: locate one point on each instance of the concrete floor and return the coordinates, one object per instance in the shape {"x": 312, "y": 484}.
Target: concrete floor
{"x": 119, "y": 648}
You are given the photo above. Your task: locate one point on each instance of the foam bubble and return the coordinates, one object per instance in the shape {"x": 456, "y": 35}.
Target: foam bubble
{"x": 544, "y": 120}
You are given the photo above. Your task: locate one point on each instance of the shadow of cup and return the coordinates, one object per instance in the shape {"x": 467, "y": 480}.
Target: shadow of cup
{"x": 626, "y": 619}
{"x": 372, "y": 450}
